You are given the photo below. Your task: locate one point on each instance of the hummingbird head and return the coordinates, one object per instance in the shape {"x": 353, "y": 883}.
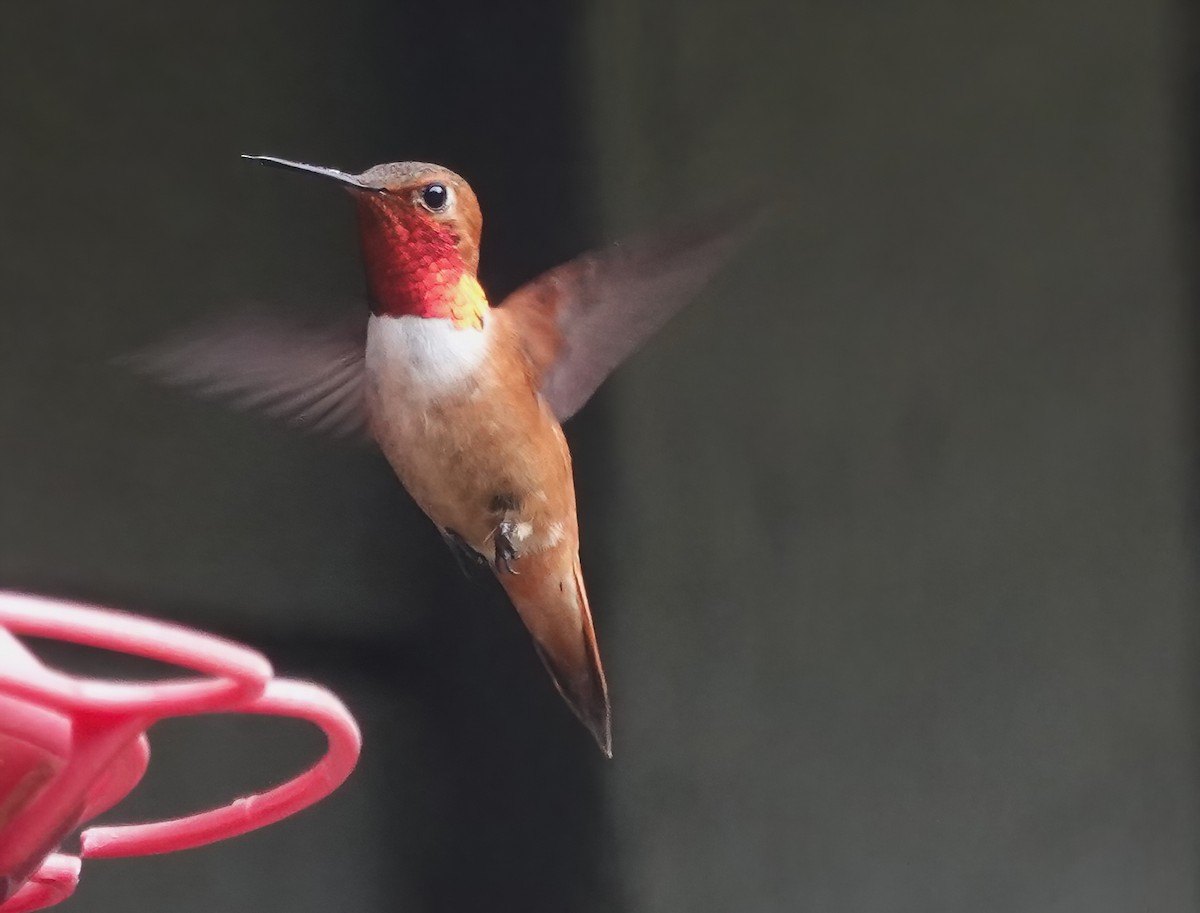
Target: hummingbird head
{"x": 419, "y": 225}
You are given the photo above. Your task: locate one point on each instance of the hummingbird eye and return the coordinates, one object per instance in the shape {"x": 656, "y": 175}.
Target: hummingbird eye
{"x": 435, "y": 197}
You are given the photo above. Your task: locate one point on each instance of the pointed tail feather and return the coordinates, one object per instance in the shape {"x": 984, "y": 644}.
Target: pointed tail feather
{"x": 549, "y": 595}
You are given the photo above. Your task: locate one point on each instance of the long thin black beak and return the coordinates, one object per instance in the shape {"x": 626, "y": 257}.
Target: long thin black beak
{"x": 342, "y": 177}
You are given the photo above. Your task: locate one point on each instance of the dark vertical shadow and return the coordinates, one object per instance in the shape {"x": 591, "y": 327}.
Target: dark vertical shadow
{"x": 516, "y": 819}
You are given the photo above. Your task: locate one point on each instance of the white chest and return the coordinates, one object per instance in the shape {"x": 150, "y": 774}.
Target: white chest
{"x": 425, "y": 356}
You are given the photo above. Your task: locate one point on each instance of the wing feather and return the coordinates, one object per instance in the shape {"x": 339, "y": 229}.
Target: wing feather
{"x": 313, "y": 377}
{"x": 580, "y": 320}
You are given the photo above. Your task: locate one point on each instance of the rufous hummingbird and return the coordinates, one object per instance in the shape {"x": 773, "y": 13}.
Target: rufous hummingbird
{"x": 466, "y": 399}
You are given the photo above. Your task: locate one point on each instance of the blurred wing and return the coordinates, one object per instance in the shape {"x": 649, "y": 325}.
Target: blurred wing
{"x": 312, "y": 377}
{"x": 582, "y": 319}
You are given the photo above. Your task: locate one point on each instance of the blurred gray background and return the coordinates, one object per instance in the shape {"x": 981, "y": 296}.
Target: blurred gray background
{"x": 888, "y": 536}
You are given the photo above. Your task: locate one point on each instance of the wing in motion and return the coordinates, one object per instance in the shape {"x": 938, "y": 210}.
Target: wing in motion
{"x": 580, "y": 320}
{"x": 312, "y": 377}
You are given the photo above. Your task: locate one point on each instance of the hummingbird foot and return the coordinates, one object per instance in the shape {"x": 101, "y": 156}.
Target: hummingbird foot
{"x": 506, "y": 552}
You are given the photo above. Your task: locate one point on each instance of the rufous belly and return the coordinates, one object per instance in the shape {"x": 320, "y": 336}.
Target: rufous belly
{"x": 469, "y": 438}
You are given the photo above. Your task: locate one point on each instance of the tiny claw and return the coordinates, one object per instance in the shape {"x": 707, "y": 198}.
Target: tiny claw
{"x": 506, "y": 552}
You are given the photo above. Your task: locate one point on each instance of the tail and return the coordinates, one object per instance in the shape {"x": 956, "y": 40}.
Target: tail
{"x": 549, "y": 596}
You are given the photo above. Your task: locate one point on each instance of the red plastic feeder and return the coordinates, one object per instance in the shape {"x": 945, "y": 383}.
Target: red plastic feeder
{"x": 71, "y": 747}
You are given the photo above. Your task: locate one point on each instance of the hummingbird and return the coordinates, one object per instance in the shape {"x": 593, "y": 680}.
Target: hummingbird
{"x": 466, "y": 400}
